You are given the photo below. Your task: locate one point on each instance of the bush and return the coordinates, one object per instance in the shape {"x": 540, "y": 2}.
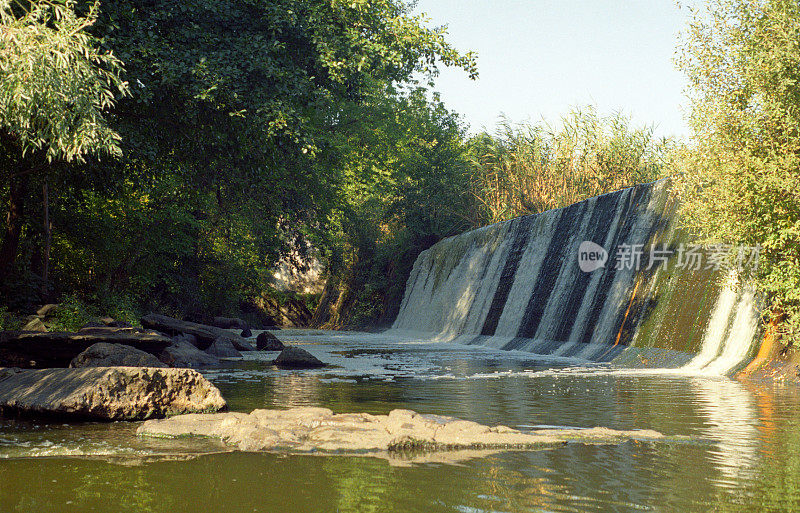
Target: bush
{"x": 740, "y": 179}
{"x": 72, "y": 314}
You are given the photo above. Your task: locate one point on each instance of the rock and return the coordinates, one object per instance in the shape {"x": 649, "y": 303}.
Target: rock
{"x": 35, "y": 324}
{"x": 206, "y": 335}
{"x": 57, "y": 349}
{"x": 184, "y": 354}
{"x": 246, "y": 333}
{"x": 319, "y": 429}
{"x": 295, "y": 358}
{"x": 108, "y": 393}
{"x": 8, "y": 371}
{"x": 229, "y": 323}
{"x": 223, "y": 348}
{"x": 47, "y": 310}
{"x": 266, "y": 341}
{"x": 239, "y": 343}
{"x": 187, "y": 338}
{"x": 114, "y": 355}
{"x": 110, "y": 322}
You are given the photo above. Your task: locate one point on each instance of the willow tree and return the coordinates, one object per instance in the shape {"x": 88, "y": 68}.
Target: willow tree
{"x": 741, "y": 178}
{"x": 55, "y": 86}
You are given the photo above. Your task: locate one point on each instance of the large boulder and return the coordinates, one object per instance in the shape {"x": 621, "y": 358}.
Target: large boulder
{"x": 295, "y": 358}
{"x": 223, "y": 348}
{"x": 239, "y": 343}
{"x": 183, "y": 353}
{"x": 108, "y": 393}
{"x": 114, "y": 355}
{"x": 266, "y": 341}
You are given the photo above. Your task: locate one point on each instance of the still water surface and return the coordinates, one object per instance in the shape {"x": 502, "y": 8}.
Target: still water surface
{"x": 743, "y": 453}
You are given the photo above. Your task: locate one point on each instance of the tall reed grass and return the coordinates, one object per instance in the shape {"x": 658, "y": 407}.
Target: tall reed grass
{"x": 529, "y": 168}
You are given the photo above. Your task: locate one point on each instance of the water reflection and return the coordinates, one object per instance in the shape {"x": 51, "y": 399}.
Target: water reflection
{"x": 731, "y": 417}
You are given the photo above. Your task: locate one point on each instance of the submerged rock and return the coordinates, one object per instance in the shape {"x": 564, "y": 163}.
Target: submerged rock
{"x": 295, "y": 358}
{"x": 266, "y": 341}
{"x": 108, "y": 393}
{"x": 246, "y": 333}
{"x": 114, "y": 355}
{"x": 319, "y": 429}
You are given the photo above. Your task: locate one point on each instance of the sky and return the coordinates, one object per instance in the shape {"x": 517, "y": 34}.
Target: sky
{"x": 537, "y": 59}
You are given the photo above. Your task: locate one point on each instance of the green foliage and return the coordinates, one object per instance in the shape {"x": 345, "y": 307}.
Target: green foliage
{"x": 527, "y": 169}
{"x": 239, "y": 136}
{"x": 54, "y": 83}
{"x": 407, "y": 187}
{"x": 8, "y": 321}
{"x": 72, "y": 313}
{"x": 740, "y": 180}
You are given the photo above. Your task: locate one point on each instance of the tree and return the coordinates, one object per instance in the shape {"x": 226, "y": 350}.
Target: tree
{"x": 232, "y": 140}
{"x": 740, "y": 179}
{"x": 55, "y": 86}
{"x": 406, "y": 187}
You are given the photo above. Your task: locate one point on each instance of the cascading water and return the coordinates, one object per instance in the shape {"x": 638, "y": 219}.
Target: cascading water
{"x": 518, "y": 285}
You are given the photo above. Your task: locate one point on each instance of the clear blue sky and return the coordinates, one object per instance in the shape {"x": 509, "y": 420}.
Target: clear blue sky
{"x": 539, "y": 58}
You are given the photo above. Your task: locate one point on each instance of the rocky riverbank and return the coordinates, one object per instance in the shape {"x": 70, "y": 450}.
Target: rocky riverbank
{"x": 126, "y": 373}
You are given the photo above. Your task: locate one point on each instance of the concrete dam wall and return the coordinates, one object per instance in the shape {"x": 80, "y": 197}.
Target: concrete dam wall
{"x": 608, "y": 279}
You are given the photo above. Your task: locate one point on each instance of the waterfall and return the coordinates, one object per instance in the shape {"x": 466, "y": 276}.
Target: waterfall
{"x": 600, "y": 280}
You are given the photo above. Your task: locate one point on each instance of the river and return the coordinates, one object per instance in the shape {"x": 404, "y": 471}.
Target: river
{"x": 742, "y": 451}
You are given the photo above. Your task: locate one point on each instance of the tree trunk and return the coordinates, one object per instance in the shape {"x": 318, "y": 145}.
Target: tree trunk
{"x": 13, "y": 228}
{"x": 47, "y": 232}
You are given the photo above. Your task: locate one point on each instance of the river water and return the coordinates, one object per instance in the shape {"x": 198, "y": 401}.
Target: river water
{"x": 742, "y": 451}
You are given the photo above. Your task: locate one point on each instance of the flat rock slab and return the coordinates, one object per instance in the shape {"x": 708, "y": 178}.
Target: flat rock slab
{"x": 320, "y": 430}
{"x": 107, "y": 393}
{"x": 31, "y": 349}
